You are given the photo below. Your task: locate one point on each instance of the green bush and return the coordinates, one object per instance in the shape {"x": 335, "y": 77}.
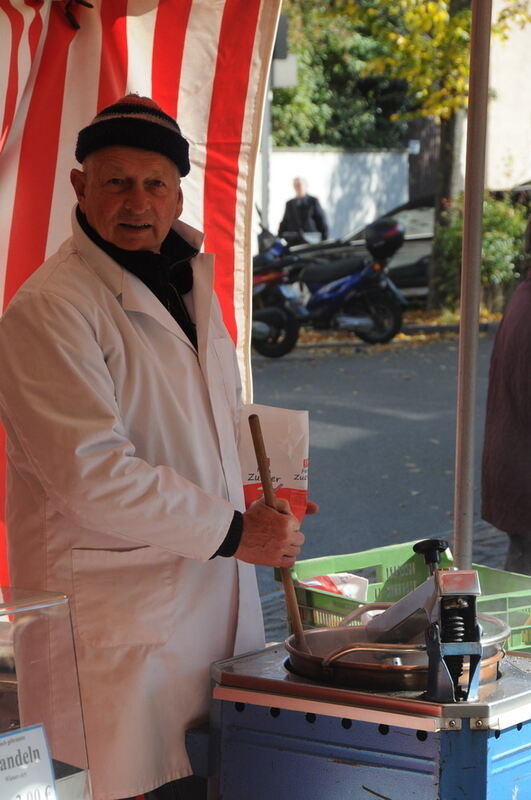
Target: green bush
{"x": 502, "y": 252}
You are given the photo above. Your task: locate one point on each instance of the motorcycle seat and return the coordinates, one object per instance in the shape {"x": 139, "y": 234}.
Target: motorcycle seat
{"x": 317, "y": 272}
{"x": 264, "y": 262}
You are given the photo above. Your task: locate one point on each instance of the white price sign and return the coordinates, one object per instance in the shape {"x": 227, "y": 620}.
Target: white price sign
{"x": 26, "y": 771}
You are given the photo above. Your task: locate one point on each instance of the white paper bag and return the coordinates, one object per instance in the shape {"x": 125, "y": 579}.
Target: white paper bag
{"x": 286, "y": 439}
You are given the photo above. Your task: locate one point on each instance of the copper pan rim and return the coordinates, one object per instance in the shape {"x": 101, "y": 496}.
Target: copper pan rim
{"x": 386, "y": 667}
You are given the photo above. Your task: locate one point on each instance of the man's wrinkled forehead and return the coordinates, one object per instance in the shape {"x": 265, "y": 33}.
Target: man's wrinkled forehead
{"x": 126, "y": 161}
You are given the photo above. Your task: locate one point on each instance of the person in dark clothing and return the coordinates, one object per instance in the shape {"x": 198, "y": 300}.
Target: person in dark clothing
{"x": 506, "y": 462}
{"x": 303, "y": 214}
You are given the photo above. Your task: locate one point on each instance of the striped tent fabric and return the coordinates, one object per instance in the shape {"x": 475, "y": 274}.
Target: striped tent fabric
{"x": 205, "y": 62}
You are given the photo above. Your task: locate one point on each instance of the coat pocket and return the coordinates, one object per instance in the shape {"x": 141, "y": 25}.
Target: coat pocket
{"x": 124, "y": 597}
{"x": 227, "y": 372}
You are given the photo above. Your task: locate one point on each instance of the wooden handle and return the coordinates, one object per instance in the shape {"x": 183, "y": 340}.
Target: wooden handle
{"x": 270, "y": 500}
{"x": 261, "y": 457}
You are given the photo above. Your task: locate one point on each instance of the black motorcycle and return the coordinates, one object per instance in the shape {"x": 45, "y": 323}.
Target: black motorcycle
{"x": 275, "y": 323}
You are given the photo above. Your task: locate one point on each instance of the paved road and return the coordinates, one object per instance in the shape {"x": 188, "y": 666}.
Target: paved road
{"x": 382, "y": 444}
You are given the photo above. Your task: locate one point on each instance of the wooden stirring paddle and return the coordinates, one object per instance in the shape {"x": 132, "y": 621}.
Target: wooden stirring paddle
{"x": 270, "y": 500}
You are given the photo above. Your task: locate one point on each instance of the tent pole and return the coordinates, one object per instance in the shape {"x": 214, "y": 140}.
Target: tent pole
{"x": 470, "y": 282}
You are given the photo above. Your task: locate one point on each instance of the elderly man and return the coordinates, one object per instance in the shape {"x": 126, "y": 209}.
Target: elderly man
{"x": 119, "y": 392}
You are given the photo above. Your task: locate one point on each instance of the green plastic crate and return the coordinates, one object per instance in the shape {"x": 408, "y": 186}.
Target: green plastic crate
{"x": 395, "y": 570}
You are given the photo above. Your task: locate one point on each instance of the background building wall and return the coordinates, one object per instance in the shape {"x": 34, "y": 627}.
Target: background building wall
{"x": 508, "y": 156}
{"x": 353, "y": 187}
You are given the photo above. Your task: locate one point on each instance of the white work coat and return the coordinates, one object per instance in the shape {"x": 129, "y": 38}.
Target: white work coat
{"x": 123, "y": 477}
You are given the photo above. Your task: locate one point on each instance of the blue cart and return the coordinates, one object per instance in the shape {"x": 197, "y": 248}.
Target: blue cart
{"x": 277, "y": 736}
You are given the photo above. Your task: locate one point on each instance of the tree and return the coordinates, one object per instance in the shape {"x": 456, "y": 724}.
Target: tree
{"x": 333, "y": 104}
{"x": 415, "y": 52}
{"x": 427, "y": 44}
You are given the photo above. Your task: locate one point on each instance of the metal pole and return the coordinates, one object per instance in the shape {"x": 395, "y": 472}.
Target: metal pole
{"x": 470, "y": 281}
{"x": 266, "y": 154}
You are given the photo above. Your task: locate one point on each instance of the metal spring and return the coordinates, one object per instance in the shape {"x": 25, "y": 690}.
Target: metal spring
{"x": 454, "y": 628}
{"x": 454, "y": 631}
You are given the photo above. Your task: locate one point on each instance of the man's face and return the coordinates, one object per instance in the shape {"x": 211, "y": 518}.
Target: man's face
{"x": 300, "y": 188}
{"x": 130, "y": 196}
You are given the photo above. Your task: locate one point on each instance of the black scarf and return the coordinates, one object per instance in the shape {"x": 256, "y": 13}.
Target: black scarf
{"x": 167, "y": 274}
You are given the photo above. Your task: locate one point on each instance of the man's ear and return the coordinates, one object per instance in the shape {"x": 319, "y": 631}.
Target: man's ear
{"x": 78, "y": 181}
{"x": 179, "y": 205}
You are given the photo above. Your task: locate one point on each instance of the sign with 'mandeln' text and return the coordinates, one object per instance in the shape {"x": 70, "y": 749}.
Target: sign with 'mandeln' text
{"x": 26, "y": 771}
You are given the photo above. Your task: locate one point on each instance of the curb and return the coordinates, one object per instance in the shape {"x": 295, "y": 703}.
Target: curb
{"x": 408, "y": 330}
{"x": 412, "y": 330}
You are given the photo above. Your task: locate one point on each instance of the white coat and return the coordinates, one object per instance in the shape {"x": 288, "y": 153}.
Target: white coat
{"x": 123, "y": 476}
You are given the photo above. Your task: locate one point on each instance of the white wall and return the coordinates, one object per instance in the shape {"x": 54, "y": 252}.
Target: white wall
{"x": 509, "y": 120}
{"x": 508, "y": 150}
{"x": 353, "y": 187}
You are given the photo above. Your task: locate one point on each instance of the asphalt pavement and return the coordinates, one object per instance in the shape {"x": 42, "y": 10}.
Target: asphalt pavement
{"x": 382, "y": 430}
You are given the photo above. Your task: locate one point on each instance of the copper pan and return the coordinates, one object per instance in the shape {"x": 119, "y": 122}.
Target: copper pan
{"x": 341, "y": 656}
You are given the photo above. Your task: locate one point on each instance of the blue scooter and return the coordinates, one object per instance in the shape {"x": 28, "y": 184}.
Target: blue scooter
{"x": 354, "y": 293}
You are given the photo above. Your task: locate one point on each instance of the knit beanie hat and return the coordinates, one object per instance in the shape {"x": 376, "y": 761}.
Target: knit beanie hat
{"x": 135, "y": 121}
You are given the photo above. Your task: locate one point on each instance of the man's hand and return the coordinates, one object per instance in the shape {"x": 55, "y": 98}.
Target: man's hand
{"x": 271, "y": 537}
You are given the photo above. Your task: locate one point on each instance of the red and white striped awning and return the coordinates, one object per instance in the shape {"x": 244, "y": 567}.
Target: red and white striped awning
{"x": 205, "y": 62}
